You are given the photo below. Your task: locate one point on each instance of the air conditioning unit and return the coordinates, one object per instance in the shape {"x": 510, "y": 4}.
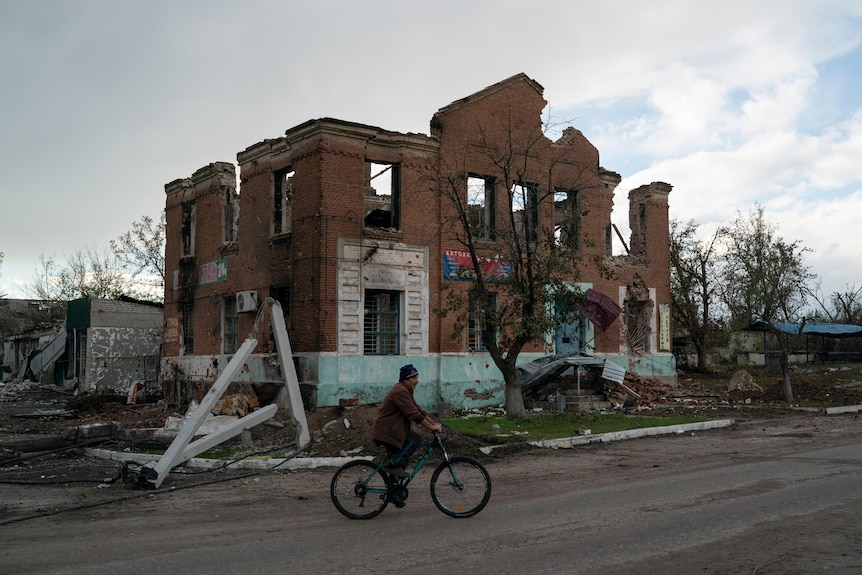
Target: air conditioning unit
{"x": 246, "y": 301}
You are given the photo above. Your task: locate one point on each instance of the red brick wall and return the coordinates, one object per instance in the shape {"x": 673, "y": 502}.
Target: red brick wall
{"x": 329, "y": 158}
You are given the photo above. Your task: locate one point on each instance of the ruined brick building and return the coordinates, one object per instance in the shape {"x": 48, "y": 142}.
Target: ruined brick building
{"x": 344, "y": 225}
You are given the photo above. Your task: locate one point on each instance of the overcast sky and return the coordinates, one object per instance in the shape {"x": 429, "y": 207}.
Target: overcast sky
{"x": 103, "y": 102}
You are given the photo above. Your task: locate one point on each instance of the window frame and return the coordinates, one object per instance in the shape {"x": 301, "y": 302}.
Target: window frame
{"x": 487, "y": 228}
{"x": 475, "y": 323}
{"x": 229, "y": 216}
{"x": 638, "y": 315}
{"x": 188, "y": 323}
{"x": 187, "y": 229}
{"x": 229, "y": 319}
{"x": 379, "y": 340}
{"x": 282, "y": 201}
{"x": 567, "y": 228}
{"x": 527, "y": 201}
{"x": 373, "y": 200}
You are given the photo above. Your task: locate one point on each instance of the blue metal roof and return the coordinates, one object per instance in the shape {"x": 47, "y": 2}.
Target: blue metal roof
{"x": 825, "y": 329}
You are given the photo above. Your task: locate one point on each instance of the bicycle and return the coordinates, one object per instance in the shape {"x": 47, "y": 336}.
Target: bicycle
{"x": 460, "y": 485}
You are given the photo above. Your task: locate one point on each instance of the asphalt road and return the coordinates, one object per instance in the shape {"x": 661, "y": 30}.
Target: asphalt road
{"x": 764, "y": 498}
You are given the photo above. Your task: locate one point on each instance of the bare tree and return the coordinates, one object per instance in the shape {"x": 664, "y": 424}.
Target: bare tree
{"x": 520, "y": 306}
{"x": 141, "y": 251}
{"x": 764, "y": 278}
{"x": 694, "y": 282}
{"x": 847, "y": 306}
{"x": 841, "y": 307}
{"x": 89, "y": 272}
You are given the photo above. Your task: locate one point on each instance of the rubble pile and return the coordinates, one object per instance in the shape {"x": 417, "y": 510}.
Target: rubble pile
{"x": 638, "y": 392}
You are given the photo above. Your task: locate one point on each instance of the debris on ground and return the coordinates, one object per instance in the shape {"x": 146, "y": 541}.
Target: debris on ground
{"x": 31, "y": 411}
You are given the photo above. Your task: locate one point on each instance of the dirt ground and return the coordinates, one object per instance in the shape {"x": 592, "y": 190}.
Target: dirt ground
{"x": 45, "y": 485}
{"x": 38, "y": 425}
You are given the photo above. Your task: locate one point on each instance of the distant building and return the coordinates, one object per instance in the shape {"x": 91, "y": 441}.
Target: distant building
{"x": 102, "y": 346}
{"x": 26, "y": 327}
{"x": 111, "y": 344}
{"x": 342, "y": 223}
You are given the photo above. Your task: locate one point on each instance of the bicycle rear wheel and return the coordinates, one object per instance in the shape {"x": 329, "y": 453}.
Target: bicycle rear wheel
{"x": 358, "y": 491}
{"x": 460, "y": 487}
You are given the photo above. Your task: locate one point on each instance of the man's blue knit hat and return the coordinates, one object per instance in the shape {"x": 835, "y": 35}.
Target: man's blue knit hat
{"x": 407, "y": 372}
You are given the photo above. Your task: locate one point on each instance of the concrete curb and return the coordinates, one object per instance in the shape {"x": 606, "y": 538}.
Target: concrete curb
{"x": 250, "y": 463}
{"x": 569, "y": 442}
{"x": 263, "y": 463}
{"x": 844, "y": 409}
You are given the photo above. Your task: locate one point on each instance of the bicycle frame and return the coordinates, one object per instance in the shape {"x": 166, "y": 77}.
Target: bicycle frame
{"x": 431, "y": 445}
{"x": 460, "y": 486}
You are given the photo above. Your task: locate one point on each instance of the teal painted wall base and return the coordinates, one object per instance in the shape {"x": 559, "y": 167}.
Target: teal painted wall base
{"x": 464, "y": 381}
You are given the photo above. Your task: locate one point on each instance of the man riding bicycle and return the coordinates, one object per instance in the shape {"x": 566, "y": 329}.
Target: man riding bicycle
{"x": 392, "y": 426}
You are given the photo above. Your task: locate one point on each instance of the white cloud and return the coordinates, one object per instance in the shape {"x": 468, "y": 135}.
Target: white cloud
{"x": 106, "y": 102}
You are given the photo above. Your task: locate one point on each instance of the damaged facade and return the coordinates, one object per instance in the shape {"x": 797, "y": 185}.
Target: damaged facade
{"x": 344, "y": 225}
{"x": 101, "y": 346}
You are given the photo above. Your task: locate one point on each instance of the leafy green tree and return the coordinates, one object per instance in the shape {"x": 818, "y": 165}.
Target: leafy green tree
{"x": 765, "y": 278}
{"x": 694, "y": 280}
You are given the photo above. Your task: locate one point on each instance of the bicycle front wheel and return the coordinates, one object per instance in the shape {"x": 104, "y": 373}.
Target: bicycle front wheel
{"x": 358, "y": 491}
{"x": 460, "y": 487}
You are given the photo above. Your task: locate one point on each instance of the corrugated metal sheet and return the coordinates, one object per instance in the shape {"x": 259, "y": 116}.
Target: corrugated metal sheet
{"x": 545, "y": 369}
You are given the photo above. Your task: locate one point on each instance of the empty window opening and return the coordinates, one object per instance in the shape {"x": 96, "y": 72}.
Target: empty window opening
{"x": 381, "y": 322}
{"x": 188, "y": 229}
{"x": 228, "y": 325}
{"x": 477, "y": 321}
{"x": 382, "y": 195}
{"x": 229, "y": 220}
{"x": 188, "y": 329}
{"x": 567, "y": 221}
{"x": 481, "y": 210}
{"x": 282, "y": 197}
{"x": 637, "y": 317}
{"x": 282, "y": 296}
{"x": 525, "y": 206}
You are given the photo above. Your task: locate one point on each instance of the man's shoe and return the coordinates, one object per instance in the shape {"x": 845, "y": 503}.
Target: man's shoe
{"x": 395, "y": 470}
